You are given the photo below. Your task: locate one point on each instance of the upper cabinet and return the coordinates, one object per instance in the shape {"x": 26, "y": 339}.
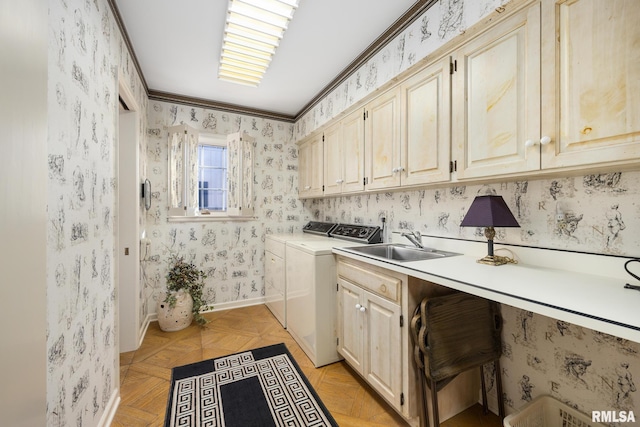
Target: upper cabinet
{"x": 344, "y": 155}
{"x": 496, "y": 99}
{"x": 549, "y": 86}
{"x": 382, "y": 141}
{"x": 425, "y": 111}
{"x": 590, "y": 82}
{"x": 310, "y": 167}
{"x": 407, "y": 131}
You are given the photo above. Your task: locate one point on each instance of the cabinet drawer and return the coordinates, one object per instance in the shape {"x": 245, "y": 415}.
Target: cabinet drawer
{"x": 379, "y": 284}
{"x": 274, "y": 246}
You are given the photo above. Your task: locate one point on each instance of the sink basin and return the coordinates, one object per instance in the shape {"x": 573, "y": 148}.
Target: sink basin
{"x": 400, "y": 253}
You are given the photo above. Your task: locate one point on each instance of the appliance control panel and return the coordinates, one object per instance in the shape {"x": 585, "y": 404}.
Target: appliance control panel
{"x": 316, "y": 227}
{"x": 357, "y": 233}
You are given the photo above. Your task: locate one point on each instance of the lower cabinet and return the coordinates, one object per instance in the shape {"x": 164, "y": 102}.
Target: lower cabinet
{"x": 375, "y": 306}
{"x": 369, "y": 339}
{"x": 370, "y": 328}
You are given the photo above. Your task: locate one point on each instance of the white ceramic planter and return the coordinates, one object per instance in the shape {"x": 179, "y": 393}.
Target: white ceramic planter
{"x": 172, "y": 319}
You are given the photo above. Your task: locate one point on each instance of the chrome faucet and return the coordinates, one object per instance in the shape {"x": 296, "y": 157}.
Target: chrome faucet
{"x": 414, "y": 237}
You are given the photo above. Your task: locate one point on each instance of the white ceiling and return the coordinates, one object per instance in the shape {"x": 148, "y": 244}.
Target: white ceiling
{"x": 177, "y": 44}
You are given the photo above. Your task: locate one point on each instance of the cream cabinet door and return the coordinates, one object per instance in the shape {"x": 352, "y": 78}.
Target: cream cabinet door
{"x": 350, "y": 324}
{"x": 333, "y": 160}
{"x": 426, "y": 121}
{"x": 353, "y": 152}
{"x": 315, "y": 164}
{"x": 383, "y": 351}
{"x": 496, "y": 99}
{"x": 304, "y": 171}
{"x": 591, "y": 96}
{"x": 382, "y": 141}
{"x": 310, "y": 167}
{"x": 344, "y": 155}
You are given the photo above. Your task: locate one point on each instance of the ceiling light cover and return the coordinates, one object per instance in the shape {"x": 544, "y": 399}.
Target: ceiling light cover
{"x": 252, "y": 33}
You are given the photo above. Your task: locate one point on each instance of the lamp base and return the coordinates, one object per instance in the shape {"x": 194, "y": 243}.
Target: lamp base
{"x": 495, "y": 260}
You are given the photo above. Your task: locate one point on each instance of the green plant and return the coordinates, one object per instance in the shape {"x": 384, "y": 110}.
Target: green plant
{"x": 185, "y": 276}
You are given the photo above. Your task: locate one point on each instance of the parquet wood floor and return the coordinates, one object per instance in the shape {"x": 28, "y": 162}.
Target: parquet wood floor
{"x": 145, "y": 373}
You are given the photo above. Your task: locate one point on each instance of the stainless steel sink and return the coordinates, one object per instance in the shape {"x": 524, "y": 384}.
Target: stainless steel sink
{"x": 400, "y": 253}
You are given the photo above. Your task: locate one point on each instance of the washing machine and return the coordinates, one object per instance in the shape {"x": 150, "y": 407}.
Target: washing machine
{"x": 310, "y": 271}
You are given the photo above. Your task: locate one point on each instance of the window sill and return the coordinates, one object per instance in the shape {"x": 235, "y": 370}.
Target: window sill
{"x": 207, "y": 218}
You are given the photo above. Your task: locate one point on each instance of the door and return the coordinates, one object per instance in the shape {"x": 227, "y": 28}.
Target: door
{"x": 382, "y": 136}
{"x": 590, "y": 96}
{"x": 333, "y": 160}
{"x": 350, "y": 324}
{"x": 383, "y": 350}
{"x": 496, "y": 100}
{"x": 315, "y": 165}
{"x": 426, "y": 123}
{"x": 310, "y": 167}
{"x": 353, "y": 152}
{"x": 130, "y": 322}
{"x": 304, "y": 172}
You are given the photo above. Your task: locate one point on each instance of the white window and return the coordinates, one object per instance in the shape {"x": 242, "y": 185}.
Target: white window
{"x": 209, "y": 174}
{"x": 212, "y": 173}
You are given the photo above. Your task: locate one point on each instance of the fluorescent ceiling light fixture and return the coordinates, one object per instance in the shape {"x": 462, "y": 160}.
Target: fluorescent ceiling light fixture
{"x": 252, "y": 33}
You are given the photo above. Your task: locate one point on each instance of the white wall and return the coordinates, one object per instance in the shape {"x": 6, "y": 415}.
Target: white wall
{"x": 23, "y": 215}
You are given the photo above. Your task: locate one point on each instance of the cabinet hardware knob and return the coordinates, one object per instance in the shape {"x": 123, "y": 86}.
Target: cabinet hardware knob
{"x": 543, "y": 141}
{"x": 339, "y": 181}
{"x": 358, "y": 306}
{"x": 394, "y": 170}
{"x": 383, "y": 288}
{"x": 363, "y": 309}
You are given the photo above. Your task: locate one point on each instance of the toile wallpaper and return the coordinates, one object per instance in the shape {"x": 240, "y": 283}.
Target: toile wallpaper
{"x": 230, "y": 252}
{"x": 582, "y": 367}
{"x": 441, "y": 23}
{"x": 86, "y": 57}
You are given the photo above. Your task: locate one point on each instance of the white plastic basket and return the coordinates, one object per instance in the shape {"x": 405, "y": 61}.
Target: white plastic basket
{"x": 545, "y": 411}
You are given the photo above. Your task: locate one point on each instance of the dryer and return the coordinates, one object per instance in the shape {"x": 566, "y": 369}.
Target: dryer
{"x": 275, "y": 285}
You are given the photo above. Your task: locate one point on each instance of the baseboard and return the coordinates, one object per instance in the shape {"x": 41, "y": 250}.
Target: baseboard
{"x": 236, "y": 304}
{"x": 145, "y": 327}
{"x": 153, "y": 317}
{"x": 110, "y": 410}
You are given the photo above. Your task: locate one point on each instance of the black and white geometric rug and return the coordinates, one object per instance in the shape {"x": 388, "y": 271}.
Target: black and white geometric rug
{"x": 261, "y": 387}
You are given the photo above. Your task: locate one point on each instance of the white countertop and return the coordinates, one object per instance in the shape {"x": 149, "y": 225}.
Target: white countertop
{"x": 594, "y": 301}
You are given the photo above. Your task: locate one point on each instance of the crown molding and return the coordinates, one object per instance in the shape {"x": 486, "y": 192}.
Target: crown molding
{"x": 127, "y": 42}
{"x": 396, "y": 28}
{"x": 206, "y": 103}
